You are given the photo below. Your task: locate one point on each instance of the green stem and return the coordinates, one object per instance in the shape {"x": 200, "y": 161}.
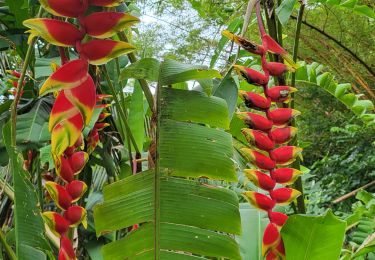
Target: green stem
{"x": 13, "y": 111}
{"x": 6, "y": 246}
{"x": 120, "y": 110}
{"x": 142, "y": 82}
{"x": 298, "y": 184}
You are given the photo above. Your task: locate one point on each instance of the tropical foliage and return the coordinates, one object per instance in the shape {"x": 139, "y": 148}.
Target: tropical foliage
{"x": 143, "y": 129}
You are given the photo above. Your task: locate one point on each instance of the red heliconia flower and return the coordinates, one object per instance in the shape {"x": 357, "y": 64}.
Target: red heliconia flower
{"x": 66, "y": 133}
{"x": 84, "y": 98}
{"x": 260, "y": 179}
{"x": 258, "y": 138}
{"x": 280, "y": 116}
{"x": 66, "y": 249}
{"x": 70, "y": 75}
{"x": 244, "y": 43}
{"x": 284, "y": 196}
{"x": 106, "y": 24}
{"x": 14, "y": 73}
{"x": 100, "y": 126}
{"x": 280, "y": 250}
{"x": 103, "y": 116}
{"x": 271, "y": 256}
{"x": 271, "y": 238}
{"x": 274, "y": 47}
{"x": 252, "y": 76}
{"x": 256, "y": 101}
{"x": 106, "y": 3}
{"x": 76, "y": 189}
{"x": 66, "y": 8}
{"x": 280, "y": 93}
{"x": 285, "y": 154}
{"x": 255, "y": 121}
{"x": 59, "y": 195}
{"x": 61, "y": 110}
{"x": 277, "y": 69}
{"x": 277, "y": 218}
{"x": 54, "y": 31}
{"x": 259, "y": 159}
{"x": 100, "y": 97}
{"x": 76, "y": 215}
{"x": 259, "y": 200}
{"x": 78, "y": 161}
{"x": 282, "y": 135}
{"x": 57, "y": 223}
{"x": 92, "y": 140}
{"x": 285, "y": 176}
{"x": 63, "y": 169}
{"x": 99, "y": 52}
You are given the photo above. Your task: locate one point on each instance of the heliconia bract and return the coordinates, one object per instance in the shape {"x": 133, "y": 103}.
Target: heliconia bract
{"x": 67, "y": 8}
{"x": 285, "y": 176}
{"x": 280, "y": 116}
{"x": 255, "y": 121}
{"x": 285, "y": 154}
{"x": 271, "y": 238}
{"x": 280, "y": 93}
{"x": 76, "y": 99}
{"x": 282, "y": 135}
{"x": 244, "y": 43}
{"x": 277, "y": 68}
{"x": 260, "y": 179}
{"x": 259, "y": 159}
{"x": 277, "y": 218}
{"x": 57, "y": 223}
{"x": 54, "y": 31}
{"x": 284, "y": 196}
{"x": 258, "y": 138}
{"x": 254, "y": 100}
{"x": 259, "y": 200}
{"x": 267, "y": 129}
{"x": 106, "y": 24}
{"x": 252, "y": 76}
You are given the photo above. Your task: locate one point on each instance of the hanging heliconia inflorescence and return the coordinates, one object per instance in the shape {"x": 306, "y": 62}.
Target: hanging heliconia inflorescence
{"x": 267, "y": 133}
{"x": 76, "y": 99}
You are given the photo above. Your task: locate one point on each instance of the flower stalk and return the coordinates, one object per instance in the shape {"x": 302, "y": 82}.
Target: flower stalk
{"x": 75, "y": 102}
{"x": 268, "y": 130}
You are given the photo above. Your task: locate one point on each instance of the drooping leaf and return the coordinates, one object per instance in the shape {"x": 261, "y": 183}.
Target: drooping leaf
{"x": 162, "y": 204}
{"x": 174, "y": 72}
{"x": 29, "y": 226}
{"x": 284, "y": 10}
{"x": 313, "y": 238}
{"x": 147, "y": 68}
{"x": 136, "y": 115}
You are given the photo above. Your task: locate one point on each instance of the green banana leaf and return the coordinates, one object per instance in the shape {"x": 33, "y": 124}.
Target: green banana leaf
{"x": 29, "y": 226}
{"x": 179, "y": 216}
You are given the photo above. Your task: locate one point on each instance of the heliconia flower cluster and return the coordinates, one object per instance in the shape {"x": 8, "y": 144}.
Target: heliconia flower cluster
{"x": 268, "y": 129}
{"x": 13, "y": 80}
{"x": 76, "y": 99}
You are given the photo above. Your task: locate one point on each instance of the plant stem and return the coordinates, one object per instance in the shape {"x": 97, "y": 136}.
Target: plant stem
{"x": 119, "y": 108}
{"x": 142, "y": 82}
{"x": 298, "y": 184}
{"x": 13, "y": 111}
{"x": 6, "y": 246}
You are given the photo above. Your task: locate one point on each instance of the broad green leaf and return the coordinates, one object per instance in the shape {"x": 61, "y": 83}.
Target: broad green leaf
{"x": 285, "y": 10}
{"x": 147, "y": 68}
{"x": 29, "y": 226}
{"x": 32, "y": 127}
{"x": 136, "y": 116}
{"x": 367, "y": 246}
{"x": 228, "y": 90}
{"x": 215, "y": 109}
{"x": 180, "y": 218}
{"x": 313, "y": 238}
{"x": 174, "y": 72}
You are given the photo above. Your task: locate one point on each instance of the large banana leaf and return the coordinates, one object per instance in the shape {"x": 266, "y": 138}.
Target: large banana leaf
{"x": 29, "y": 227}
{"x": 179, "y": 216}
